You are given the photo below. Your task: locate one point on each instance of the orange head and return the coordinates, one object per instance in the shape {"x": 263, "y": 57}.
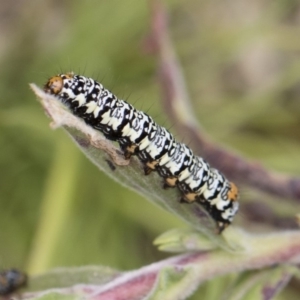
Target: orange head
{"x": 56, "y": 83}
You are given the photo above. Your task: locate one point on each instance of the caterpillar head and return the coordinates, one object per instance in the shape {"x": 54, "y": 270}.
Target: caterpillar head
{"x": 56, "y": 83}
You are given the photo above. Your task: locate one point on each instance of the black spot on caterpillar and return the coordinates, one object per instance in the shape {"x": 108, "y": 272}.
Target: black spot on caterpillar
{"x": 11, "y": 280}
{"x": 137, "y": 134}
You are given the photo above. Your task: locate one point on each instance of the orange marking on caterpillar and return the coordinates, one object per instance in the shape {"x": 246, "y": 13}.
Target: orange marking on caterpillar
{"x": 233, "y": 192}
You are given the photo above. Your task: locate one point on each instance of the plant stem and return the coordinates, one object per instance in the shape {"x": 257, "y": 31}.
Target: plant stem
{"x": 55, "y": 206}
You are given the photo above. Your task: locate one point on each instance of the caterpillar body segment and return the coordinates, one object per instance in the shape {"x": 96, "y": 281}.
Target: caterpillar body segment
{"x": 137, "y": 134}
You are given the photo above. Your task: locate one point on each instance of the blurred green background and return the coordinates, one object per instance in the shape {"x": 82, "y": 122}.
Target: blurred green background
{"x": 241, "y": 61}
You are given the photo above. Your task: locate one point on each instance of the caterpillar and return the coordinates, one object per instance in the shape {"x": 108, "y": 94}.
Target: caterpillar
{"x": 11, "y": 280}
{"x": 157, "y": 149}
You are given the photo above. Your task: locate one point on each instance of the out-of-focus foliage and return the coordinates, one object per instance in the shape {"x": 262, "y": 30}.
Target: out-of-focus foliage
{"x": 241, "y": 62}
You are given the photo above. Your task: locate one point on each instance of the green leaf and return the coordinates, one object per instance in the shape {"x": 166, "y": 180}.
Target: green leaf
{"x": 57, "y": 296}
{"x": 174, "y": 282}
{"x": 264, "y": 285}
{"x": 66, "y": 277}
{"x": 110, "y": 160}
{"x": 183, "y": 240}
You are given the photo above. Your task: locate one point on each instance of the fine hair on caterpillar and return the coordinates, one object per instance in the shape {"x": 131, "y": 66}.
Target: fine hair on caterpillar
{"x": 158, "y": 150}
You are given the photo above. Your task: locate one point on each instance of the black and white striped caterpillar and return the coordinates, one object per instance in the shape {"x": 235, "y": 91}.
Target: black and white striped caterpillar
{"x": 137, "y": 134}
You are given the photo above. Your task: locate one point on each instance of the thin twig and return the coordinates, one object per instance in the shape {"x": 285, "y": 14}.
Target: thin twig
{"x": 262, "y": 251}
{"x": 178, "y": 107}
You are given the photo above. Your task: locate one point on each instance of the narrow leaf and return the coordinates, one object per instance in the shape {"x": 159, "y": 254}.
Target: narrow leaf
{"x": 66, "y": 277}
{"x": 264, "y": 285}
{"x": 174, "y": 283}
{"x": 183, "y": 240}
{"x": 129, "y": 173}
